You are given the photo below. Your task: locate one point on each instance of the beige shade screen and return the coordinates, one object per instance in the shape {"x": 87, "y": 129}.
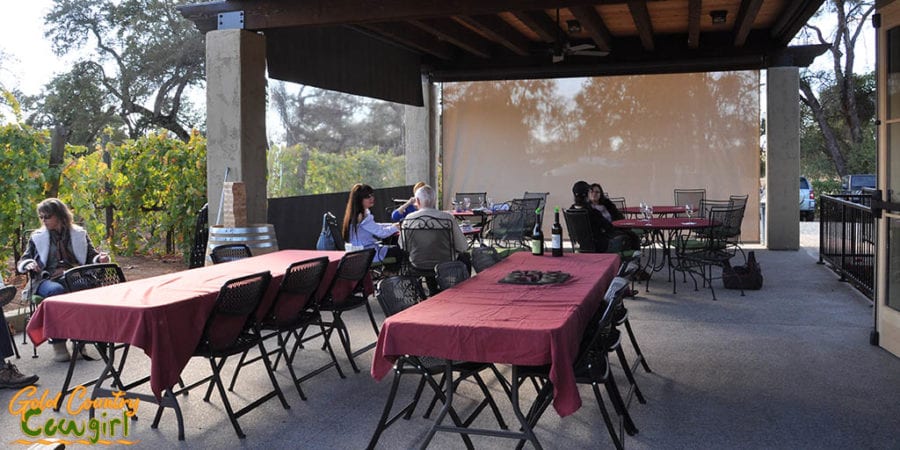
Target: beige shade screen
{"x": 640, "y": 137}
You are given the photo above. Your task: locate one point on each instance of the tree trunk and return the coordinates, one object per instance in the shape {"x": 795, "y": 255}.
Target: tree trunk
{"x": 831, "y": 142}
{"x": 57, "y": 151}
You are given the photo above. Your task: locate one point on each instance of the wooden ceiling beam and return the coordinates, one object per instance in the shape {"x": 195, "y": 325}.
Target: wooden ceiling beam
{"x": 498, "y": 30}
{"x": 412, "y": 37}
{"x": 593, "y": 24}
{"x": 694, "y": 8}
{"x": 545, "y": 27}
{"x": 262, "y": 14}
{"x": 641, "y": 16}
{"x": 456, "y": 34}
{"x": 744, "y": 22}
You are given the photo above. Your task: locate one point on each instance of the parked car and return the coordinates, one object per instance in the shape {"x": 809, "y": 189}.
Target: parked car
{"x": 854, "y": 183}
{"x": 807, "y": 200}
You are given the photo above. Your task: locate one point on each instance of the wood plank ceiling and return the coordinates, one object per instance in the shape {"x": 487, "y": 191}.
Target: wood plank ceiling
{"x": 456, "y": 40}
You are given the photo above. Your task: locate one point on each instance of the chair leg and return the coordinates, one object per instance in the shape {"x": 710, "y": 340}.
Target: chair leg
{"x": 217, "y": 381}
{"x": 621, "y": 408}
{"x": 212, "y": 379}
{"x": 636, "y": 347}
{"x": 630, "y": 376}
{"x": 344, "y": 336}
{"x": 372, "y": 318}
{"x": 282, "y": 351}
{"x": 77, "y": 346}
{"x": 271, "y": 373}
{"x": 383, "y": 421}
{"x": 237, "y": 369}
{"x": 610, "y": 428}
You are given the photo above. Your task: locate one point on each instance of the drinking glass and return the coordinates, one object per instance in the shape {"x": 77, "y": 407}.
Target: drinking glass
{"x": 689, "y": 210}
{"x": 467, "y": 203}
{"x": 455, "y": 206}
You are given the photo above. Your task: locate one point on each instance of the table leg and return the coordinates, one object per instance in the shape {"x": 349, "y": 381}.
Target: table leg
{"x": 526, "y": 432}
{"x": 167, "y": 401}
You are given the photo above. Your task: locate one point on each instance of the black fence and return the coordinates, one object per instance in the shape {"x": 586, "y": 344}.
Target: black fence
{"x": 847, "y": 239}
{"x": 298, "y": 220}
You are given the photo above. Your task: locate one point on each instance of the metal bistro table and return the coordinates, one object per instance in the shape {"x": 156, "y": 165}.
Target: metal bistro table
{"x": 661, "y": 231}
{"x": 483, "y": 320}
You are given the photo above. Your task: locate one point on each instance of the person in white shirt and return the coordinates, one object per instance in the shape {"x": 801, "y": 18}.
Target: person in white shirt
{"x": 427, "y": 250}
{"x": 360, "y": 228}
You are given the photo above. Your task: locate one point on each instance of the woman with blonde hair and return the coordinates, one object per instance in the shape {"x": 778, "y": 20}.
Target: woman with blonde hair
{"x": 59, "y": 244}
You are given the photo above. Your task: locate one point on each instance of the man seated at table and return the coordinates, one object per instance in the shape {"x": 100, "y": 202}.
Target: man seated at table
{"x": 426, "y": 250}
{"x": 603, "y": 231}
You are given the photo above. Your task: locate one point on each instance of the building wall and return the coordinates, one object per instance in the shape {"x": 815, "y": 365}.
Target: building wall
{"x": 638, "y": 136}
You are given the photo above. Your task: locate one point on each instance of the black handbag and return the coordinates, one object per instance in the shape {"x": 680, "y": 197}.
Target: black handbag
{"x": 746, "y": 277}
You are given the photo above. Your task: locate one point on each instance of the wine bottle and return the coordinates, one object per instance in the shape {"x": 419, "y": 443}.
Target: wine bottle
{"x": 537, "y": 236}
{"x": 556, "y": 235}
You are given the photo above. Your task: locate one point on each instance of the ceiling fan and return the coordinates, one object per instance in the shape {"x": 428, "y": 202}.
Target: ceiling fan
{"x": 562, "y": 47}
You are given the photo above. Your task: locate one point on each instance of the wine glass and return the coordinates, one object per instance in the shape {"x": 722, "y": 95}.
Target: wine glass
{"x": 689, "y": 210}
{"x": 467, "y": 203}
{"x": 455, "y": 206}
{"x": 649, "y": 212}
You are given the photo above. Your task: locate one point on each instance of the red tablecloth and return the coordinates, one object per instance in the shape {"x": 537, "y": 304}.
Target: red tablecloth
{"x": 663, "y": 223}
{"x": 485, "y": 321}
{"x": 660, "y": 210}
{"x": 163, "y": 315}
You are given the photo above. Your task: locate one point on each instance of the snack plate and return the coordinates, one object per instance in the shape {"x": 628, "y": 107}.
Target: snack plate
{"x": 535, "y": 277}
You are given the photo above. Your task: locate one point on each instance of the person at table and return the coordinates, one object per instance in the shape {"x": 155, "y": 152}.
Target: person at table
{"x": 10, "y": 377}
{"x": 602, "y": 229}
{"x": 59, "y": 244}
{"x": 426, "y": 250}
{"x": 611, "y": 213}
{"x": 407, "y": 208}
{"x": 360, "y": 228}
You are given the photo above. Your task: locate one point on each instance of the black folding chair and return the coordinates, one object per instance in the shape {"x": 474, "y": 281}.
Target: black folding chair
{"x": 201, "y": 238}
{"x": 232, "y": 329}
{"x": 591, "y": 367}
{"x": 345, "y": 294}
{"x": 229, "y": 252}
{"x": 292, "y": 311}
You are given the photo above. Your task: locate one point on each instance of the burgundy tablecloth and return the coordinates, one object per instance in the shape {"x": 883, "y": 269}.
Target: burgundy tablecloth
{"x": 663, "y": 223}
{"x": 486, "y": 321}
{"x": 661, "y": 210}
{"x": 163, "y": 315}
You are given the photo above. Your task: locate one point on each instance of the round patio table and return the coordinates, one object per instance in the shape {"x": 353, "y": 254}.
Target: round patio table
{"x": 660, "y": 211}
{"x": 661, "y": 230}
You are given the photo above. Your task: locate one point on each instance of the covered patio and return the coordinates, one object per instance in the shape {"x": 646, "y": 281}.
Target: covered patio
{"x": 399, "y": 50}
{"x": 789, "y": 366}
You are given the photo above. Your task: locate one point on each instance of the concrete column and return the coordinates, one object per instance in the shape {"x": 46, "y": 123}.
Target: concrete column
{"x": 418, "y": 137}
{"x": 236, "y": 117}
{"x": 783, "y": 158}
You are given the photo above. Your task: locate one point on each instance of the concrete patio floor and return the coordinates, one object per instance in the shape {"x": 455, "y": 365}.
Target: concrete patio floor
{"x": 789, "y": 366}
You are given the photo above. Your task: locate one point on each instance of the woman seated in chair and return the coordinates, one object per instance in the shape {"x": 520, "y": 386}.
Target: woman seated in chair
{"x": 610, "y": 212}
{"x": 360, "y": 228}
{"x": 602, "y": 229}
{"x": 58, "y": 245}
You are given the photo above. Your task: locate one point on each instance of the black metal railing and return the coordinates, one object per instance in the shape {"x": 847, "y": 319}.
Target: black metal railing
{"x": 847, "y": 239}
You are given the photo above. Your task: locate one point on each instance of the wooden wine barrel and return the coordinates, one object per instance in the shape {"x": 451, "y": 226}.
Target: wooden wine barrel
{"x": 259, "y": 237}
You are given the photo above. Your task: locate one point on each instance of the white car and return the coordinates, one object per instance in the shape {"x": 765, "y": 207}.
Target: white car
{"x": 807, "y": 200}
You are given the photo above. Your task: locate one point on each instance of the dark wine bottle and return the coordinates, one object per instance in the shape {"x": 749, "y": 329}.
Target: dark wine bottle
{"x": 556, "y": 235}
{"x": 537, "y": 236}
